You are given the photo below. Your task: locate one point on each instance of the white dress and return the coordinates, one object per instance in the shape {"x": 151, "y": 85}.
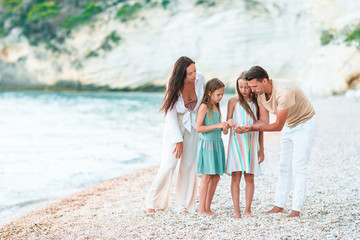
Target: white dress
{"x": 180, "y": 126}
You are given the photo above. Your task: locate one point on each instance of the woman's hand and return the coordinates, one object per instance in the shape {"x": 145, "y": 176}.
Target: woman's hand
{"x": 261, "y": 155}
{"x": 178, "y": 149}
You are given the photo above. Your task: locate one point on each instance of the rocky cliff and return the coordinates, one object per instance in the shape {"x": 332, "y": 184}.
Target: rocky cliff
{"x": 223, "y": 37}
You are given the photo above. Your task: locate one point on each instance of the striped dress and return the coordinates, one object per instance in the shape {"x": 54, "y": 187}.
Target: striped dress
{"x": 243, "y": 148}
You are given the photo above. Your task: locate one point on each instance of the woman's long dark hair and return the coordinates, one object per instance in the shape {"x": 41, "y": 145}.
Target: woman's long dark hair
{"x": 176, "y": 83}
{"x": 242, "y": 100}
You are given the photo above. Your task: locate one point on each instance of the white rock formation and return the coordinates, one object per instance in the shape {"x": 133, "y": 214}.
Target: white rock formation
{"x": 279, "y": 35}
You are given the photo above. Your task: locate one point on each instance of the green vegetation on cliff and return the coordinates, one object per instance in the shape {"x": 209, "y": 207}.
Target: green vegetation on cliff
{"x": 349, "y": 34}
{"x": 90, "y": 10}
{"x": 52, "y": 21}
{"x": 326, "y": 37}
{"x": 127, "y": 11}
{"x": 42, "y": 21}
{"x": 354, "y": 36}
{"x": 109, "y": 42}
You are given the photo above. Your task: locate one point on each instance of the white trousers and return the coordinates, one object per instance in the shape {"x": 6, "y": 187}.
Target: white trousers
{"x": 296, "y": 143}
{"x": 186, "y": 184}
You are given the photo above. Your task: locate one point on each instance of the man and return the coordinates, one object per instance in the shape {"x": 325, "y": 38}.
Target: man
{"x": 295, "y": 117}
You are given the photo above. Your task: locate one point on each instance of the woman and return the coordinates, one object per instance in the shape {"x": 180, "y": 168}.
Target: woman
{"x": 182, "y": 98}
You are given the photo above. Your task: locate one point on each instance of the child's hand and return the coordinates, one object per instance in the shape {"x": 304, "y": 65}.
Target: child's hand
{"x": 231, "y": 123}
{"x": 242, "y": 129}
{"x": 237, "y": 129}
{"x": 225, "y": 131}
{"x": 223, "y": 125}
{"x": 261, "y": 155}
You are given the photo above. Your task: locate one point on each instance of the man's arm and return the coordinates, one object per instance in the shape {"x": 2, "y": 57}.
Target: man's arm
{"x": 278, "y": 125}
{"x": 263, "y": 120}
{"x": 263, "y": 123}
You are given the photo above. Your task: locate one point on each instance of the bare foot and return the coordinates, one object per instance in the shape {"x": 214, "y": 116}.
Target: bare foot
{"x": 209, "y": 214}
{"x": 249, "y": 214}
{"x": 215, "y": 213}
{"x": 293, "y": 214}
{"x": 236, "y": 215}
{"x": 185, "y": 212}
{"x": 275, "y": 209}
{"x": 150, "y": 210}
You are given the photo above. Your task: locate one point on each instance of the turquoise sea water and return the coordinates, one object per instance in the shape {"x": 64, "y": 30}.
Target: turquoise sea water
{"x": 55, "y": 143}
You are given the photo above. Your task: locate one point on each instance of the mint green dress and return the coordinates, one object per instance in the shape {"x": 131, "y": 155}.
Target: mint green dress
{"x": 211, "y": 152}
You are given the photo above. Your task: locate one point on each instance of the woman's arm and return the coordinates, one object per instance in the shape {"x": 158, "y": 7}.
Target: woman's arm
{"x": 173, "y": 125}
{"x": 200, "y": 121}
{"x": 176, "y": 137}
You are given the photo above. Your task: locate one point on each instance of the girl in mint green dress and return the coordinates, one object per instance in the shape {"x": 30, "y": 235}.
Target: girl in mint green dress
{"x": 211, "y": 153}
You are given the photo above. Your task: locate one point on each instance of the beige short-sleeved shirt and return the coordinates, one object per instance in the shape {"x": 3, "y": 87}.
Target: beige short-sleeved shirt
{"x": 286, "y": 95}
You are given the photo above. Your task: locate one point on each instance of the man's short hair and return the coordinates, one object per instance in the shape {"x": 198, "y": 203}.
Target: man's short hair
{"x": 256, "y": 72}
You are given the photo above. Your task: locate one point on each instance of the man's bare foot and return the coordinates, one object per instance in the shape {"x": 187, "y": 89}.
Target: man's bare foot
{"x": 209, "y": 214}
{"x": 150, "y": 210}
{"x": 275, "y": 209}
{"x": 249, "y": 214}
{"x": 236, "y": 215}
{"x": 293, "y": 214}
{"x": 185, "y": 212}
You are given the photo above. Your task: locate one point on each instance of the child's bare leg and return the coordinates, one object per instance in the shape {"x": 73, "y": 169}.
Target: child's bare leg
{"x": 249, "y": 193}
{"x": 211, "y": 191}
{"x": 235, "y": 193}
{"x": 205, "y": 180}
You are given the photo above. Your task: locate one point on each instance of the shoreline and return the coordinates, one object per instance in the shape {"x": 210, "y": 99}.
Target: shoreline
{"x": 33, "y": 219}
{"x": 36, "y": 206}
{"x": 114, "y": 209}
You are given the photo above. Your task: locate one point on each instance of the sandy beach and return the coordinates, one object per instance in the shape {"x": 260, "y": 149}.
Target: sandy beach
{"x": 114, "y": 209}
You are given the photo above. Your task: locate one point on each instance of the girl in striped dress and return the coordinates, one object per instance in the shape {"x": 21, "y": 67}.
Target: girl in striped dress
{"x": 245, "y": 151}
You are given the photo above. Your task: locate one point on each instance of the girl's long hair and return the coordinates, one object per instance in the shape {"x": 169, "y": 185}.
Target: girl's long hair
{"x": 176, "y": 84}
{"x": 242, "y": 100}
{"x": 211, "y": 86}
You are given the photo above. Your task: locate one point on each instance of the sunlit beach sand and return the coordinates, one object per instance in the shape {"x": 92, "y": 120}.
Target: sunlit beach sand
{"x": 115, "y": 209}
